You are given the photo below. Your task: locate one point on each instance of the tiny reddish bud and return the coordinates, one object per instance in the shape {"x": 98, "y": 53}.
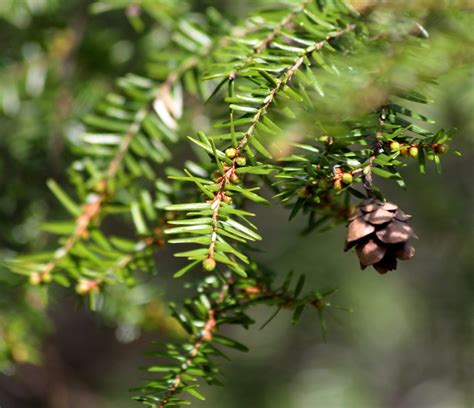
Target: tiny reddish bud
{"x": 347, "y": 178}
{"x": 209, "y": 264}
{"x": 413, "y": 152}
{"x": 253, "y": 290}
{"x": 86, "y": 286}
{"x": 231, "y": 152}
{"x": 404, "y": 152}
{"x": 441, "y": 148}
{"x": 324, "y": 139}
{"x": 337, "y": 185}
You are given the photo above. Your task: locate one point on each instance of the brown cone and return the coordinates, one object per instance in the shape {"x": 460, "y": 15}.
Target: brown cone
{"x": 380, "y": 233}
{"x": 388, "y": 263}
{"x": 358, "y": 229}
{"x": 405, "y": 252}
{"x": 395, "y": 233}
{"x": 379, "y": 216}
{"x": 370, "y": 252}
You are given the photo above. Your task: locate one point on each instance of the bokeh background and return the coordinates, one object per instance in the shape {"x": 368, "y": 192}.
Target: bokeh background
{"x": 408, "y": 339}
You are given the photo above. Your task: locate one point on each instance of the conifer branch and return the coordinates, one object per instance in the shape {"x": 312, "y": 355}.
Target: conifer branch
{"x": 230, "y": 301}
{"x": 92, "y": 210}
{"x": 204, "y": 337}
{"x": 142, "y": 250}
{"x": 230, "y": 170}
{"x": 282, "y": 61}
{"x": 264, "y": 43}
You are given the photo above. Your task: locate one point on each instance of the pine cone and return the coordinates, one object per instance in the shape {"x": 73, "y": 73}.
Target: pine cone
{"x": 380, "y": 233}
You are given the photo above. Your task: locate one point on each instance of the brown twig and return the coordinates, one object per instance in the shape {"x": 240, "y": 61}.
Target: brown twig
{"x": 378, "y": 145}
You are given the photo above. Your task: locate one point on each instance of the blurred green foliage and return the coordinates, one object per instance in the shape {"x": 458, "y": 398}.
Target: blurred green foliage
{"x": 409, "y": 340}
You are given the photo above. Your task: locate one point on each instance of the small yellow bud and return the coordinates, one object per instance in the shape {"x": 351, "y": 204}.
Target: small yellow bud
{"x": 47, "y": 278}
{"x": 35, "y": 278}
{"x": 347, "y": 178}
{"x": 209, "y": 264}
{"x": 227, "y": 199}
{"x": 241, "y": 161}
{"x": 394, "y": 146}
{"x": 82, "y": 288}
{"x": 231, "y": 152}
{"x": 413, "y": 152}
{"x": 86, "y": 286}
{"x": 101, "y": 186}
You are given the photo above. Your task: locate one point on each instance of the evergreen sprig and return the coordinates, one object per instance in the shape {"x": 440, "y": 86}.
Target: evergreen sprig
{"x": 219, "y": 302}
{"x": 282, "y": 66}
{"x": 265, "y": 82}
{"x": 122, "y": 142}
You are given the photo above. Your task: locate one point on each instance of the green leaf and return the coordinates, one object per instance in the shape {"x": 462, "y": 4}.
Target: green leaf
{"x": 200, "y": 185}
{"x": 188, "y": 207}
{"x": 191, "y": 229}
{"x": 192, "y": 391}
{"x": 192, "y": 221}
{"x": 242, "y": 228}
{"x": 191, "y": 240}
{"x": 384, "y": 173}
{"x": 225, "y": 341}
{"x": 245, "y": 109}
{"x": 422, "y": 161}
{"x": 138, "y": 220}
{"x": 249, "y": 194}
{"x": 65, "y": 200}
{"x": 260, "y": 170}
{"x": 198, "y": 254}
{"x": 299, "y": 285}
{"x": 260, "y": 148}
{"x": 186, "y": 269}
{"x": 58, "y": 227}
{"x": 297, "y": 313}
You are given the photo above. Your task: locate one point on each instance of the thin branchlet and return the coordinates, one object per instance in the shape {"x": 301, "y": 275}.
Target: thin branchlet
{"x": 205, "y": 336}
{"x": 230, "y": 170}
{"x": 266, "y": 41}
{"x": 91, "y": 211}
{"x": 230, "y": 298}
